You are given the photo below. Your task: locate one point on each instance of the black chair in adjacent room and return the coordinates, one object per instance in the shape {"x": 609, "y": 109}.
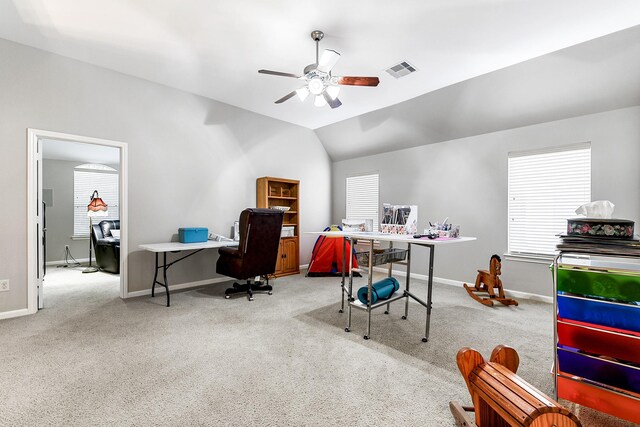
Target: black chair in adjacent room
{"x": 256, "y": 254}
{"x": 106, "y": 247}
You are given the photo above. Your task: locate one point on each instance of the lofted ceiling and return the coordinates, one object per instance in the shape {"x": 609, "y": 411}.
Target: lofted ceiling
{"x": 591, "y": 77}
{"x": 214, "y": 48}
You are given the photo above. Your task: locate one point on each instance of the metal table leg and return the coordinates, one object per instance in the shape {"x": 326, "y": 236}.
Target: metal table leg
{"x": 429, "y": 293}
{"x": 349, "y": 295}
{"x": 389, "y": 271}
{"x": 164, "y": 268}
{"x": 155, "y": 279}
{"x": 406, "y": 302}
{"x": 369, "y": 291}
{"x": 344, "y": 264}
{"x": 166, "y": 283}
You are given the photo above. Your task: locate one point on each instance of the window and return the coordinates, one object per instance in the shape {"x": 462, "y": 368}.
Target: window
{"x": 362, "y": 198}
{"x": 545, "y": 188}
{"x": 86, "y": 179}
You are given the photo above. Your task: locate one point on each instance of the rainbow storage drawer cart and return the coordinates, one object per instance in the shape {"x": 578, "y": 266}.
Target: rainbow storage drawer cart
{"x": 597, "y": 332}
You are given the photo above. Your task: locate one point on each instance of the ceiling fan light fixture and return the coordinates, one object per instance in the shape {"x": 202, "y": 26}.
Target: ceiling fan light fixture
{"x": 316, "y": 86}
{"x": 318, "y": 78}
{"x": 333, "y": 91}
{"x": 302, "y": 93}
{"x": 320, "y": 101}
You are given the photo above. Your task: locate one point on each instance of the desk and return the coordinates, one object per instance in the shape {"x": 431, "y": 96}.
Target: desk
{"x": 406, "y": 294}
{"x": 163, "y": 248}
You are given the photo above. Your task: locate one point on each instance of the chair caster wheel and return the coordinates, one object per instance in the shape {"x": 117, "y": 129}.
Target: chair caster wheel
{"x": 366, "y": 337}
{"x": 424, "y": 339}
{"x": 269, "y": 293}
{"x": 347, "y": 330}
{"x": 340, "y": 311}
{"x": 227, "y": 296}
{"x": 404, "y": 317}
{"x": 386, "y": 312}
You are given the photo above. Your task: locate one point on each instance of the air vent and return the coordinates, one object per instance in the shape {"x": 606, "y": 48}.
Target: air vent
{"x": 401, "y": 69}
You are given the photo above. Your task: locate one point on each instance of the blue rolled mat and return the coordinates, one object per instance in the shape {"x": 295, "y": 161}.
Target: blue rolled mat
{"x": 382, "y": 289}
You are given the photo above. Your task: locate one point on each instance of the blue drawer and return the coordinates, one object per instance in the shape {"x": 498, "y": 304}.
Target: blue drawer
{"x": 621, "y": 316}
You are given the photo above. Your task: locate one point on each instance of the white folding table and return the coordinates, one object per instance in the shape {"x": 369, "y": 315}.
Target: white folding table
{"x": 163, "y": 248}
{"x": 406, "y": 293}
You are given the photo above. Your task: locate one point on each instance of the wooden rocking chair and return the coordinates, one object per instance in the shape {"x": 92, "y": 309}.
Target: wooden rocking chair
{"x": 488, "y": 283}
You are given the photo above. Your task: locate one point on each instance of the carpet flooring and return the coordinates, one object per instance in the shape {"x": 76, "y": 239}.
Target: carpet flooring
{"x": 92, "y": 359}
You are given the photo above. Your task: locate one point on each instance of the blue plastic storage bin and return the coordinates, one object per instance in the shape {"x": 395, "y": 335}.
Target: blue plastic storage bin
{"x": 193, "y": 234}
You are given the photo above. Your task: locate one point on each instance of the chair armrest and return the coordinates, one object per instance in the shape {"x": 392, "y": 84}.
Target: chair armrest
{"x": 227, "y": 251}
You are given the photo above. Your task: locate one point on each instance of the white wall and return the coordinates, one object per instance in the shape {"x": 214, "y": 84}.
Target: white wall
{"x": 193, "y": 161}
{"x": 466, "y": 180}
{"x": 58, "y": 176}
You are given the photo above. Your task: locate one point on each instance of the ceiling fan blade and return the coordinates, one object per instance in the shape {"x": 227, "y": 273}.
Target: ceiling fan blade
{"x": 279, "y": 73}
{"x": 333, "y": 102}
{"x": 328, "y": 60}
{"x": 358, "y": 81}
{"x": 287, "y": 96}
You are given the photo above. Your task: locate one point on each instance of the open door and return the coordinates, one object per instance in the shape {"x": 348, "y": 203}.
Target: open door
{"x": 40, "y": 227}
{"x": 36, "y": 210}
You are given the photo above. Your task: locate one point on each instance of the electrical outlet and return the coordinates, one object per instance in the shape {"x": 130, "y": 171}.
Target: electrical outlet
{"x": 4, "y": 285}
{"x": 66, "y": 248}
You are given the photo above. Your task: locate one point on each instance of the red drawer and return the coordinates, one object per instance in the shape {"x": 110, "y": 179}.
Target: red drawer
{"x": 619, "y": 405}
{"x": 595, "y": 339}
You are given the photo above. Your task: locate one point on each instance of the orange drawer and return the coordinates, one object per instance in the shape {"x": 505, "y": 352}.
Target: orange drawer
{"x": 621, "y": 405}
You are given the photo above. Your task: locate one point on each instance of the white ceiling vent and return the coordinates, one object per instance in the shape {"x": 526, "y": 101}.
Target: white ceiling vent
{"x": 401, "y": 69}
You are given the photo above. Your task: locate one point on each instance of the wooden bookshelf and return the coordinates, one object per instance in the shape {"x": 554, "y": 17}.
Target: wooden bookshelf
{"x": 272, "y": 192}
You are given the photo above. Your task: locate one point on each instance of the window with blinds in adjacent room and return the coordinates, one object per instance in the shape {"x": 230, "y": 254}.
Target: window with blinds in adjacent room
{"x": 545, "y": 188}
{"x": 86, "y": 179}
{"x": 362, "y": 198}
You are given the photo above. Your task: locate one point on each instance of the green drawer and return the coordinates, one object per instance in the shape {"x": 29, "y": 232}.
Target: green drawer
{"x": 617, "y": 286}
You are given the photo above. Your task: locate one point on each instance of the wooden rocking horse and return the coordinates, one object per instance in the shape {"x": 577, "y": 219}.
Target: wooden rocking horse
{"x": 489, "y": 286}
{"x": 501, "y": 398}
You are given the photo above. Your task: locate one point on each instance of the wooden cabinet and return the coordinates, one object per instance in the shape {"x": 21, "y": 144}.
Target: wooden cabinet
{"x": 280, "y": 193}
{"x": 287, "y": 257}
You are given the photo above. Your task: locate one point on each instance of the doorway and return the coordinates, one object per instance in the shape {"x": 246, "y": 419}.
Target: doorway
{"x": 83, "y": 155}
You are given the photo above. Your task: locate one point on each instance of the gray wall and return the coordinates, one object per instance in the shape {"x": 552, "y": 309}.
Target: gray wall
{"x": 192, "y": 161}
{"x": 466, "y": 180}
{"x": 58, "y": 176}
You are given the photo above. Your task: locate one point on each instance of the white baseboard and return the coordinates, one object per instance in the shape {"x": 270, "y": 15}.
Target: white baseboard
{"x": 527, "y": 295}
{"x": 303, "y": 266}
{"x": 14, "y": 313}
{"x": 63, "y": 262}
{"x": 457, "y": 283}
{"x": 161, "y": 290}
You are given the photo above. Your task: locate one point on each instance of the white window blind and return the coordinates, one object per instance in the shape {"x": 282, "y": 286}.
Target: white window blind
{"x": 84, "y": 183}
{"x": 545, "y": 188}
{"x": 362, "y": 198}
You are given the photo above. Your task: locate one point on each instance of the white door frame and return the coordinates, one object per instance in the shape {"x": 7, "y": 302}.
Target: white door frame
{"x": 34, "y": 196}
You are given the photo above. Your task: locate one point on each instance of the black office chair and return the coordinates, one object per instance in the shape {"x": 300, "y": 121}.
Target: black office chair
{"x": 256, "y": 254}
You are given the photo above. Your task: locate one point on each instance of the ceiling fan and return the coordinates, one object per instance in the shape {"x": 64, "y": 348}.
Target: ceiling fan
{"x": 318, "y": 78}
